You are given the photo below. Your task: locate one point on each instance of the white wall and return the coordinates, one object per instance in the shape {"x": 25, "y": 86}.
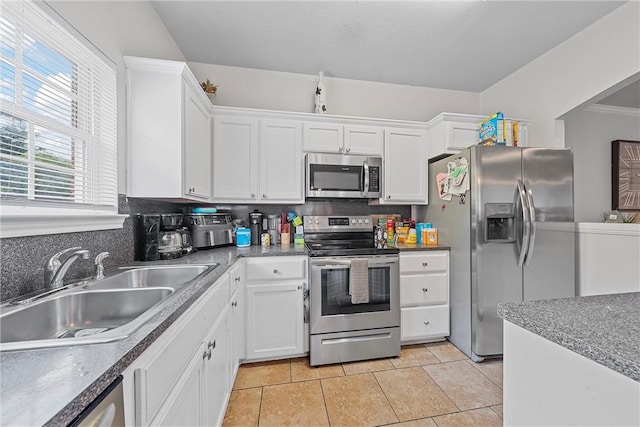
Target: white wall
{"x": 592, "y": 61}
{"x": 590, "y": 135}
{"x": 120, "y": 28}
{"x": 273, "y": 90}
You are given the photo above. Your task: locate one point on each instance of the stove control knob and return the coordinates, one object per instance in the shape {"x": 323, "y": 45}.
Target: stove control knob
{"x": 317, "y": 221}
{"x": 366, "y": 220}
{"x": 353, "y": 221}
{"x": 360, "y": 221}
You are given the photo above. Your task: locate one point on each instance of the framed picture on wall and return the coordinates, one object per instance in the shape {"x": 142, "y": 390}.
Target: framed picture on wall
{"x": 625, "y": 175}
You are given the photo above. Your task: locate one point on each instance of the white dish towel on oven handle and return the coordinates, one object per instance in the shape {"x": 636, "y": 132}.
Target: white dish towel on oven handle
{"x": 359, "y": 281}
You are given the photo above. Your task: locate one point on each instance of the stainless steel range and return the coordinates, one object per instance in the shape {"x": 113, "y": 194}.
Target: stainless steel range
{"x": 354, "y": 291}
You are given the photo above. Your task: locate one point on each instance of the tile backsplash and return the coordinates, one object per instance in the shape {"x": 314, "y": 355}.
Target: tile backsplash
{"x": 22, "y": 258}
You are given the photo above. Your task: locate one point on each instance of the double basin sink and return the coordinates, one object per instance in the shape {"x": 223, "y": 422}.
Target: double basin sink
{"x": 97, "y": 311}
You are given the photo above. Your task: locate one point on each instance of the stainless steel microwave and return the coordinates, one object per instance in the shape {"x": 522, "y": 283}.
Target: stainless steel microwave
{"x": 344, "y": 175}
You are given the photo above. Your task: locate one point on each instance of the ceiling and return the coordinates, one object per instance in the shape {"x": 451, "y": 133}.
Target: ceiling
{"x": 627, "y": 97}
{"x": 457, "y": 45}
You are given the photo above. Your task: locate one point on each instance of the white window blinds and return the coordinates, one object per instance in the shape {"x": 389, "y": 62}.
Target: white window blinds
{"x": 58, "y": 145}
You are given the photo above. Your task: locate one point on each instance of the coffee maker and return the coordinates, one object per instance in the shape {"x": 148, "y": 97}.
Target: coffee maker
{"x": 157, "y": 237}
{"x": 255, "y": 219}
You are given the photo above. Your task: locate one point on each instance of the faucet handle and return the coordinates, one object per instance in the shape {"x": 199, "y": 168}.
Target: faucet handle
{"x": 99, "y": 267}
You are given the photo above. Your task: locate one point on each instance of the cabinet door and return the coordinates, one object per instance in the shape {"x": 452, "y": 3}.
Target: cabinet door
{"x": 405, "y": 166}
{"x": 460, "y": 135}
{"x": 323, "y": 138}
{"x": 363, "y": 140}
{"x": 196, "y": 147}
{"x": 235, "y": 159}
{"x": 274, "y": 320}
{"x": 281, "y": 161}
{"x": 216, "y": 372}
{"x": 235, "y": 332}
{"x": 184, "y": 406}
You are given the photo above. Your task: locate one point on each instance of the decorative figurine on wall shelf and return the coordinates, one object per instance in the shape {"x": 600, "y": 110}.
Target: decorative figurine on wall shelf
{"x": 321, "y": 96}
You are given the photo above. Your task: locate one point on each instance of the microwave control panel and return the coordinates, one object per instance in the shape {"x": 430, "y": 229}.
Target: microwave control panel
{"x": 374, "y": 179}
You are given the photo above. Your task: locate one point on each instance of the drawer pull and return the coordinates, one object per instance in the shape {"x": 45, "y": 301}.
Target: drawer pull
{"x": 426, "y": 322}
{"x": 424, "y": 264}
{"x": 207, "y": 355}
{"x": 275, "y": 271}
{"x": 211, "y": 345}
{"x": 237, "y": 279}
{"x": 425, "y": 289}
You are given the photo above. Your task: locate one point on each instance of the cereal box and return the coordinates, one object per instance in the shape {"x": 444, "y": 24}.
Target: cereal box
{"x": 492, "y": 130}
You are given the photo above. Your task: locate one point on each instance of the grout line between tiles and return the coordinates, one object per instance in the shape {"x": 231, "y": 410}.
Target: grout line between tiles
{"x": 260, "y": 406}
{"x": 386, "y": 397}
{"x": 324, "y": 400}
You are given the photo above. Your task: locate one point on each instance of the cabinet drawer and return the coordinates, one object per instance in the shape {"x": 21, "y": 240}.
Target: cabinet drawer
{"x": 276, "y": 269}
{"x": 424, "y": 262}
{"x": 154, "y": 380}
{"x": 424, "y": 289}
{"x": 424, "y": 322}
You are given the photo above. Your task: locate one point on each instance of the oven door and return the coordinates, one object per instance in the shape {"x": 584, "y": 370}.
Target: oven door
{"x": 331, "y": 307}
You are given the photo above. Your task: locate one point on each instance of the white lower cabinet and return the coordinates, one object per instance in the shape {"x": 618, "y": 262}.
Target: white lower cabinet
{"x": 424, "y": 296}
{"x": 274, "y": 307}
{"x": 182, "y": 379}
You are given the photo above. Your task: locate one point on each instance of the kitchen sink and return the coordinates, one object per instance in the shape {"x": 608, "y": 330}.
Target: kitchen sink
{"x": 99, "y": 311}
{"x": 175, "y": 276}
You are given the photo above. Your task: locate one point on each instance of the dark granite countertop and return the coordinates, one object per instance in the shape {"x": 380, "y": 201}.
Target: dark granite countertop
{"x": 603, "y": 328}
{"x": 52, "y": 386}
{"x": 405, "y": 247}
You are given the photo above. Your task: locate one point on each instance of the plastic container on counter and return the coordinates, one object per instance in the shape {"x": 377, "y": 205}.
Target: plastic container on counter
{"x": 243, "y": 237}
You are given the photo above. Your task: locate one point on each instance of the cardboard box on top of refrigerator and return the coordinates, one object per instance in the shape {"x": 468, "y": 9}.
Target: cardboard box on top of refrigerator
{"x": 492, "y": 130}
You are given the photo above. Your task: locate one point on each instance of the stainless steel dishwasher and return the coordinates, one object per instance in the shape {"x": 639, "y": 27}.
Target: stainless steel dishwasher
{"x": 106, "y": 410}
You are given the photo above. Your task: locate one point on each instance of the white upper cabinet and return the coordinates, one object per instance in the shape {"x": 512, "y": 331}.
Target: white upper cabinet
{"x": 235, "y": 159}
{"x": 405, "y": 166}
{"x": 342, "y": 138}
{"x": 448, "y": 133}
{"x": 256, "y": 159}
{"x": 281, "y": 177}
{"x": 168, "y": 132}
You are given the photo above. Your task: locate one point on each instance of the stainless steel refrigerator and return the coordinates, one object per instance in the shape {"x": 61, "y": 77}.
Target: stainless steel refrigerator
{"x": 511, "y": 236}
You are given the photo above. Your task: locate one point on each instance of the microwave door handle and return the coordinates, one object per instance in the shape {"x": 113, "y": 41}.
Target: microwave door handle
{"x": 366, "y": 178}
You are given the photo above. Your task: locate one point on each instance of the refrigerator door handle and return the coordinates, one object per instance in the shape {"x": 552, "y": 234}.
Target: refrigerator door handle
{"x": 532, "y": 221}
{"x": 522, "y": 206}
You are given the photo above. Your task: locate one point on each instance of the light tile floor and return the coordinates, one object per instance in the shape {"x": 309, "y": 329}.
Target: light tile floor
{"x": 428, "y": 385}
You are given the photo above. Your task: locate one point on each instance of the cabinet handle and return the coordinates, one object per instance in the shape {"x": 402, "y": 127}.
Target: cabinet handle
{"x": 234, "y": 304}
{"x": 206, "y": 355}
{"x": 341, "y": 149}
{"x": 211, "y": 345}
{"x": 237, "y": 279}
{"x": 424, "y": 264}
{"x": 299, "y": 287}
{"x": 348, "y": 150}
{"x": 389, "y": 196}
{"x": 253, "y": 196}
{"x": 264, "y": 196}
{"x": 425, "y": 289}
{"x": 426, "y": 322}
{"x": 275, "y": 271}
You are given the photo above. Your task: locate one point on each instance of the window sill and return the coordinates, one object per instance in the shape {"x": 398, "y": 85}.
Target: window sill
{"x": 34, "y": 225}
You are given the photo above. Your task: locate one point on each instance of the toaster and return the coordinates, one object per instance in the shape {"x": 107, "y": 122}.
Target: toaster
{"x": 209, "y": 229}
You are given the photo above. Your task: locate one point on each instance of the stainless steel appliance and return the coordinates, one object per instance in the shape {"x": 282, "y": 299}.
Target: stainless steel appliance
{"x": 210, "y": 229}
{"x": 347, "y": 176}
{"x": 511, "y": 237}
{"x": 255, "y": 218}
{"x": 106, "y": 410}
{"x": 343, "y": 328}
{"x": 156, "y": 236}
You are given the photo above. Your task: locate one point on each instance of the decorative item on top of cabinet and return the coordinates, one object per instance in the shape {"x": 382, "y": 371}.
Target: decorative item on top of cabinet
{"x": 168, "y": 132}
{"x": 321, "y": 96}
{"x": 424, "y": 296}
{"x": 448, "y": 133}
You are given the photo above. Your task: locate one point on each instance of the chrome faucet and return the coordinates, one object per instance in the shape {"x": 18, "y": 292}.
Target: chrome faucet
{"x": 99, "y": 267}
{"x": 54, "y": 270}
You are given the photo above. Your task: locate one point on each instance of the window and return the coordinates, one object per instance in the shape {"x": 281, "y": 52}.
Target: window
{"x": 58, "y": 147}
